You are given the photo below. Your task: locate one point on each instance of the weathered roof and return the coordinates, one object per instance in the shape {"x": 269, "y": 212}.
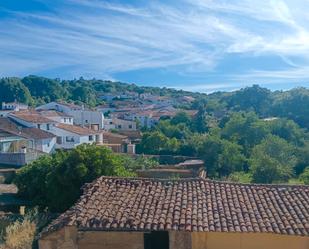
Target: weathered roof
{"x": 53, "y": 113}
{"x": 30, "y": 133}
{"x": 77, "y": 129}
{"x": 36, "y": 133}
{"x": 114, "y": 135}
{"x": 189, "y": 205}
{"x": 32, "y": 117}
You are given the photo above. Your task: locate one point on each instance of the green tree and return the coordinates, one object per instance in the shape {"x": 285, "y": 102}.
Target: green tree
{"x": 181, "y": 118}
{"x": 293, "y": 105}
{"x": 84, "y": 94}
{"x": 152, "y": 143}
{"x": 246, "y": 129}
{"x": 12, "y": 89}
{"x": 45, "y": 180}
{"x": 253, "y": 98}
{"x": 44, "y": 88}
{"x": 221, "y": 157}
{"x": 288, "y": 130}
{"x": 272, "y": 161}
{"x": 304, "y": 177}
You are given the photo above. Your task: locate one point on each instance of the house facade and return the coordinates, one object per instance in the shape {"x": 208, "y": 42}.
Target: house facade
{"x": 119, "y": 124}
{"x": 32, "y": 119}
{"x": 70, "y": 136}
{"x": 82, "y": 116}
{"x": 119, "y": 213}
{"x": 65, "y": 134}
{"x": 20, "y": 145}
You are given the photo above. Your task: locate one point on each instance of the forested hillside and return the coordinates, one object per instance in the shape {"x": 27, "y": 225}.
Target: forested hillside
{"x": 34, "y": 90}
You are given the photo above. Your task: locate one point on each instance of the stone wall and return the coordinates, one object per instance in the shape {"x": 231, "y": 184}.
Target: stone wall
{"x": 214, "y": 240}
{"x": 180, "y": 240}
{"x": 65, "y": 238}
{"x": 110, "y": 240}
{"x": 70, "y": 238}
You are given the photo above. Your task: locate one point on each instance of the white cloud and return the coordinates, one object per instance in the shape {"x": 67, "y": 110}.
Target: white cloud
{"x": 100, "y": 38}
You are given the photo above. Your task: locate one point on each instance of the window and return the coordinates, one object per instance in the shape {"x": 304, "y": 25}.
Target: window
{"x": 39, "y": 126}
{"x": 86, "y": 121}
{"x": 47, "y": 127}
{"x": 119, "y": 126}
{"x": 90, "y": 138}
{"x": 69, "y": 139}
{"x": 59, "y": 140}
{"x": 130, "y": 126}
{"x": 65, "y": 120}
{"x": 48, "y": 144}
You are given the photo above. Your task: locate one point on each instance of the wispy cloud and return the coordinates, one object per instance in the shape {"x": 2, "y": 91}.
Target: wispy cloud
{"x": 101, "y": 39}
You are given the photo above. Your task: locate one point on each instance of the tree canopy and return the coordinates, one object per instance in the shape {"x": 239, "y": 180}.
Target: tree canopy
{"x": 44, "y": 180}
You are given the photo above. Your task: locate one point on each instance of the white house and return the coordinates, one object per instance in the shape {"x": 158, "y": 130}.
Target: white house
{"x": 7, "y": 108}
{"x": 14, "y": 106}
{"x": 70, "y": 136}
{"x": 59, "y": 117}
{"x": 81, "y": 115}
{"x": 119, "y": 124}
{"x": 32, "y": 119}
{"x": 20, "y": 145}
{"x": 144, "y": 118}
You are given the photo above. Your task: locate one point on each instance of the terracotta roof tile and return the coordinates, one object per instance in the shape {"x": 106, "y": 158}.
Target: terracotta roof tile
{"x": 31, "y": 116}
{"x": 189, "y": 205}
{"x": 77, "y": 129}
{"x": 31, "y": 133}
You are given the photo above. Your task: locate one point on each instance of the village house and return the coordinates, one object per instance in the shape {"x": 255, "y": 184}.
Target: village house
{"x": 59, "y": 117}
{"x": 118, "y": 143}
{"x": 33, "y": 119}
{"x": 119, "y": 124}
{"x": 7, "y": 108}
{"x": 143, "y": 118}
{"x": 70, "y": 136}
{"x": 128, "y": 213}
{"x": 13, "y": 106}
{"x": 20, "y": 145}
{"x": 81, "y": 116}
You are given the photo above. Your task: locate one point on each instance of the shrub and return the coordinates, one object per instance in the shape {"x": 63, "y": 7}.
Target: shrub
{"x": 20, "y": 234}
{"x": 44, "y": 180}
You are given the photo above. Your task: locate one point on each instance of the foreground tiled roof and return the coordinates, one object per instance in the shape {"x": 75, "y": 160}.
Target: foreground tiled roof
{"x": 189, "y": 205}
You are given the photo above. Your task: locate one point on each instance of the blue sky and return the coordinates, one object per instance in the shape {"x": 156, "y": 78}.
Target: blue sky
{"x": 198, "y": 45}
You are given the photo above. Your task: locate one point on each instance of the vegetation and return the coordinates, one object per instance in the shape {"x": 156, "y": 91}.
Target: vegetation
{"x": 35, "y": 90}
{"x": 21, "y": 233}
{"x": 44, "y": 180}
{"x": 252, "y": 134}
{"x": 240, "y": 146}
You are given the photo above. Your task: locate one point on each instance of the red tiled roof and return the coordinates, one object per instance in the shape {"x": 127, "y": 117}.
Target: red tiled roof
{"x": 189, "y": 205}
{"x": 114, "y": 135}
{"x": 36, "y": 133}
{"x": 31, "y": 116}
{"x": 31, "y": 133}
{"x": 76, "y": 129}
{"x": 53, "y": 113}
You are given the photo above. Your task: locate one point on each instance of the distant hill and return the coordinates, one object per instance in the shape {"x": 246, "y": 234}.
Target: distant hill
{"x": 35, "y": 90}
